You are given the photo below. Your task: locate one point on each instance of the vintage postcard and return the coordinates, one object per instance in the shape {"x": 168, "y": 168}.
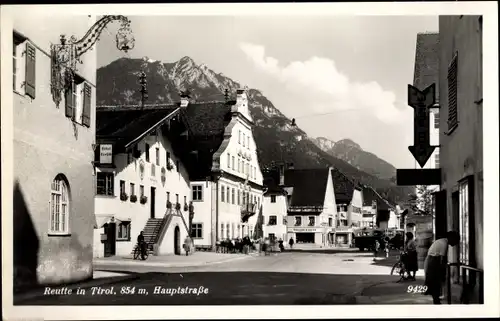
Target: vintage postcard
{"x": 250, "y": 160}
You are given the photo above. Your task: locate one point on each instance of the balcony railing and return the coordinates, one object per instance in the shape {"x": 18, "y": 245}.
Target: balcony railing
{"x": 248, "y": 210}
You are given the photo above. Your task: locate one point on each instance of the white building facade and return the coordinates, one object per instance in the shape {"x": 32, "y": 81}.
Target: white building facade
{"x": 52, "y": 148}
{"x": 312, "y": 210}
{"x": 141, "y": 187}
{"x": 350, "y": 219}
{"x": 226, "y": 195}
{"x": 275, "y": 214}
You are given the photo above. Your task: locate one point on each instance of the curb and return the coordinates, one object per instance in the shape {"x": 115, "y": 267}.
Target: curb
{"x": 167, "y": 264}
{"x": 19, "y": 298}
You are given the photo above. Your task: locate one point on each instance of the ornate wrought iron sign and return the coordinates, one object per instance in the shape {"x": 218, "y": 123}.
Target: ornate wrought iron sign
{"x": 68, "y": 52}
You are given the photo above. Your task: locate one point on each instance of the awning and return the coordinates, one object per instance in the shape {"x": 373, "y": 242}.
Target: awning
{"x": 103, "y": 219}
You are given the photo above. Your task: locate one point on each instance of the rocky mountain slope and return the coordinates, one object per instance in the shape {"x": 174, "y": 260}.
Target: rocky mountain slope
{"x": 117, "y": 83}
{"x": 353, "y": 154}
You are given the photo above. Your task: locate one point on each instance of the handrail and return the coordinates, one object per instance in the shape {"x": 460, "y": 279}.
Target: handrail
{"x": 465, "y": 284}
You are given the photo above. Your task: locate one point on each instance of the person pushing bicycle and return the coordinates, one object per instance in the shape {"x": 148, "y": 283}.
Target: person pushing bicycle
{"x": 141, "y": 244}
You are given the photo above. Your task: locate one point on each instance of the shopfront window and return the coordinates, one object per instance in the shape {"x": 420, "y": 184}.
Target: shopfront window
{"x": 464, "y": 222}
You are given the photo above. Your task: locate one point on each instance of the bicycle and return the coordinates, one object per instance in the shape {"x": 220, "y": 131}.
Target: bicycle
{"x": 137, "y": 252}
{"x": 399, "y": 268}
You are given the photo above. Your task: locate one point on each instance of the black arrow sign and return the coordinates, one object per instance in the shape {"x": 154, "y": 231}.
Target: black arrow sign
{"x": 421, "y": 101}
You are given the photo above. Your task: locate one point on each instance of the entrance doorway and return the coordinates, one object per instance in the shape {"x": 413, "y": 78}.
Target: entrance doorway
{"x": 177, "y": 240}
{"x": 305, "y": 237}
{"x": 110, "y": 243}
{"x": 153, "y": 197}
{"x": 440, "y": 214}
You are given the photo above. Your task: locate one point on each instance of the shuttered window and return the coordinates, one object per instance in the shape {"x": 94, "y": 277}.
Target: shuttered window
{"x": 452, "y": 94}
{"x": 30, "y": 70}
{"x": 87, "y": 99}
{"x": 70, "y": 102}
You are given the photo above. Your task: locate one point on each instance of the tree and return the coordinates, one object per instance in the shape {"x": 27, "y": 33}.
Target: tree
{"x": 258, "y": 230}
{"x": 421, "y": 200}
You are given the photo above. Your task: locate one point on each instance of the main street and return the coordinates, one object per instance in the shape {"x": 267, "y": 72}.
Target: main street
{"x": 309, "y": 277}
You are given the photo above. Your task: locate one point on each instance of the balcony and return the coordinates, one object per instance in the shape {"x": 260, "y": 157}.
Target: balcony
{"x": 247, "y": 211}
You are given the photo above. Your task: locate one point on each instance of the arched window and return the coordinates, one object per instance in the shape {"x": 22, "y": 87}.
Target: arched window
{"x": 59, "y": 206}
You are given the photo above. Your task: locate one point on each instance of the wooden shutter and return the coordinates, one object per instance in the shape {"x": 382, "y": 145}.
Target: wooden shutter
{"x": 70, "y": 103}
{"x": 30, "y": 83}
{"x": 87, "y": 99}
{"x": 452, "y": 94}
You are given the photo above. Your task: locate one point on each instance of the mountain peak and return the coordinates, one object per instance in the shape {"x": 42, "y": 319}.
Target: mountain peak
{"x": 349, "y": 142}
{"x": 187, "y": 60}
{"x": 117, "y": 83}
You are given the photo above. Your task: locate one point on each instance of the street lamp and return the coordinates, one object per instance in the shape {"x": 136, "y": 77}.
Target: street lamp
{"x": 66, "y": 54}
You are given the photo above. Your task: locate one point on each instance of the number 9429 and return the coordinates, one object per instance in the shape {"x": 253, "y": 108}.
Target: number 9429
{"x": 416, "y": 289}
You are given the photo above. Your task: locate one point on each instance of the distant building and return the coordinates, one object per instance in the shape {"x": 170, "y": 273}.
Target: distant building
{"x": 369, "y": 216}
{"x": 141, "y": 182}
{"x": 53, "y": 137}
{"x": 312, "y": 208}
{"x": 380, "y": 207}
{"x": 349, "y": 200}
{"x": 275, "y": 205}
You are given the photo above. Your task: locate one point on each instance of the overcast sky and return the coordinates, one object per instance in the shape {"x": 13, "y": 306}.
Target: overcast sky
{"x": 340, "y": 77}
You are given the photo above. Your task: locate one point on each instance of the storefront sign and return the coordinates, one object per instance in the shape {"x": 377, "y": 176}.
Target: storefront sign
{"x": 305, "y": 209}
{"x": 106, "y": 154}
{"x": 344, "y": 228}
{"x": 305, "y": 230}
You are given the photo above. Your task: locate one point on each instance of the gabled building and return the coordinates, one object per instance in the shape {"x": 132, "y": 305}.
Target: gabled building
{"x": 53, "y": 134}
{"x": 274, "y": 208}
{"x": 349, "y": 199}
{"x": 275, "y": 204}
{"x": 220, "y": 154}
{"x": 375, "y": 204}
{"x": 312, "y": 208}
{"x": 141, "y": 182}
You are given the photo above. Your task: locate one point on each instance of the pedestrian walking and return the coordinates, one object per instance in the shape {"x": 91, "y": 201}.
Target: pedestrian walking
{"x": 386, "y": 246}
{"x": 280, "y": 244}
{"x": 376, "y": 249}
{"x": 435, "y": 264}
{"x": 291, "y": 242}
{"x": 411, "y": 263}
{"x": 187, "y": 245}
{"x": 141, "y": 244}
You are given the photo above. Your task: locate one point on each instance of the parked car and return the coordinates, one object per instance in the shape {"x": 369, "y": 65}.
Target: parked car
{"x": 365, "y": 239}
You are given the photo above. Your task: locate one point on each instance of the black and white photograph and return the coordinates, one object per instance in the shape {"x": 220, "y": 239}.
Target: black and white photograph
{"x": 307, "y": 158}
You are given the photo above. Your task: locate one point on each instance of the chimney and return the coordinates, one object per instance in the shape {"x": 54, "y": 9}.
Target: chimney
{"x": 241, "y": 96}
{"x": 282, "y": 174}
{"x": 184, "y": 100}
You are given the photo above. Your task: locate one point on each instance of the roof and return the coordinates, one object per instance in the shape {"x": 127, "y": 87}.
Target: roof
{"x": 206, "y": 123}
{"x": 370, "y": 195}
{"x": 343, "y": 187}
{"x": 125, "y": 125}
{"x": 427, "y": 61}
{"x": 309, "y": 186}
{"x": 207, "y": 119}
